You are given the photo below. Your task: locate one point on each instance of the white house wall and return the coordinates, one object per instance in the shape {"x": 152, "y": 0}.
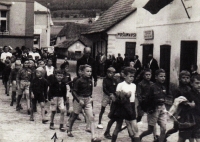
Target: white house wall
{"x": 170, "y": 26}
{"x": 116, "y": 45}
{"x": 77, "y": 46}
{"x": 42, "y": 22}
{"x": 17, "y": 25}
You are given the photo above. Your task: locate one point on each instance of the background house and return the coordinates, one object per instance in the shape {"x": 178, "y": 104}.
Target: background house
{"x": 104, "y": 32}
{"x": 70, "y": 43}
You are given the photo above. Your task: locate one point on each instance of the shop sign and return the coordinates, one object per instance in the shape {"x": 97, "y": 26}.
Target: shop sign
{"x": 126, "y": 35}
{"x": 148, "y": 35}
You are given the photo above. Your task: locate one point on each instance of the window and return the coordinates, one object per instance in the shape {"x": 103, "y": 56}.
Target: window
{"x": 3, "y": 21}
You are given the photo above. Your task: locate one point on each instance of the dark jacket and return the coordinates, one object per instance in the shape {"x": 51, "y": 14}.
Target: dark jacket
{"x": 67, "y": 79}
{"x": 24, "y": 74}
{"x": 156, "y": 96}
{"x": 82, "y": 61}
{"x": 109, "y": 85}
{"x": 195, "y": 95}
{"x": 6, "y": 73}
{"x": 153, "y": 66}
{"x": 182, "y": 90}
{"x": 13, "y": 74}
{"x": 143, "y": 89}
{"x": 39, "y": 86}
{"x": 57, "y": 89}
{"x": 83, "y": 87}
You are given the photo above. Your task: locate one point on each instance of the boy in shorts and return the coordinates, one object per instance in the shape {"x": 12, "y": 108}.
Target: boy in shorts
{"x": 12, "y": 80}
{"x": 82, "y": 94}
{"x": 195, "y": 93}
{"x": 57, "y": 94}
{"x": 67, "y": 80}
{"x": 142, "y": 91}
{"x": 182, "y": 90}
{"x": 109, "y": 87}
{"x": 23, "y": 79}
{"x": 130, "y": 89}
{"x": 38, "y": 90}
{"x": 157, "y": 112}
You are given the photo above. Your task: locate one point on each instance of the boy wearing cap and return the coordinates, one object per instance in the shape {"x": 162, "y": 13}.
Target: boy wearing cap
{"x": 12, "y": 80}
{"x": 57, "y": 97}
{"x": 38, "y": 90}
{"x": 23, "y": 79}
{"x": 109, "y": 88}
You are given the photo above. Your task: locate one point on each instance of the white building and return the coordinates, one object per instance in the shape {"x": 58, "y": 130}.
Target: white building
{"x": 42, "y": 25}
{"x": 171, "y": 36}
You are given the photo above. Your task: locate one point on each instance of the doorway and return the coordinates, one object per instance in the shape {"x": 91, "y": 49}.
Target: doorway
{"x": 130, "y": 49}
{"x": 165, "y": 56}
{"x": 147, "y": 49}
{"x": 188, "y": 54}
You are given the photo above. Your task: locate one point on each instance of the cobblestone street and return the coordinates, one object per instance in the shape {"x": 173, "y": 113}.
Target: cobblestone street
{"x": 16, "y": 127}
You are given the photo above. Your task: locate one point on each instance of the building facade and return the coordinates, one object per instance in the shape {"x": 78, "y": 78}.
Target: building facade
{"x": 122, "y": 37}
{"x": 16, "y": 22}
{"x": 42, "y": 26}
{"x": 171, "y": 36}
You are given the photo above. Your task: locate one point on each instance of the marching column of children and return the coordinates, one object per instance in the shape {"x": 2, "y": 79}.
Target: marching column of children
{"x": 38, "y": 81}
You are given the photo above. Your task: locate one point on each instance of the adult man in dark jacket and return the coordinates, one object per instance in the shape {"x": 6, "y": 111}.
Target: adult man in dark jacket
{"x": 137, "y": 65}
{"x": 86, "y": 59}
{"x": 153, "y": 65}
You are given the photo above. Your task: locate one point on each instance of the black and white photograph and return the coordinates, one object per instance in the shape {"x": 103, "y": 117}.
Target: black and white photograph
{"x": 99, "y": 71}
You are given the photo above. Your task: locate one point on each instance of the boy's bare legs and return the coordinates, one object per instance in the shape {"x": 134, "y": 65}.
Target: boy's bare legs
{"x": 89, "y": 115}
{"x": 155, "y": 133}
{"x": 135, "y": 130}
{"x": 52, "y": 116}
{"x": 198, "y": 140}
{"x": 52, "y": 120}
{"x": 27, "y": 100}
{"x": 62, "y": 116}
{"x": 117, "y": 129}
{"x": 162, "y": 132}
{"x": 147, "y": 132}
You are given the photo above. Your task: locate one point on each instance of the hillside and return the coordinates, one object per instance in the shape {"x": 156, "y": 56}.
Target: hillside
{"x": 77, "y": 4}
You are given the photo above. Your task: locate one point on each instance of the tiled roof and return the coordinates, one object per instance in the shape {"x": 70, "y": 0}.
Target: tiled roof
{"x": 72, "y": 30}
{"x": 120, "y": 10}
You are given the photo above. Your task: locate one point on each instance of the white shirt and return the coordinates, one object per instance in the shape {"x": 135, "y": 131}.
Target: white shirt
{"x": 49, "y": 70}
{"x": 127, "y": 88}
{"x": 34, "y": 55}
{"x": 4, "y": 55}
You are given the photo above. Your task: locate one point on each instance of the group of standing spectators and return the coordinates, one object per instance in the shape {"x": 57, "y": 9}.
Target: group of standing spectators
{"x": 118, "y": 63}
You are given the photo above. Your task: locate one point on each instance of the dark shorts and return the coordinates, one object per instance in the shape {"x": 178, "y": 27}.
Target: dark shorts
{"x": 39, "y": 98}
{"x": 133, "y": 116}
{"x": 196, "y": 133}
{"x": 123, "y": 111}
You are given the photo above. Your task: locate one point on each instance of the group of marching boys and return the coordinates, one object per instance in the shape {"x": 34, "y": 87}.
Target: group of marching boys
{"x": 39, "y": 82}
